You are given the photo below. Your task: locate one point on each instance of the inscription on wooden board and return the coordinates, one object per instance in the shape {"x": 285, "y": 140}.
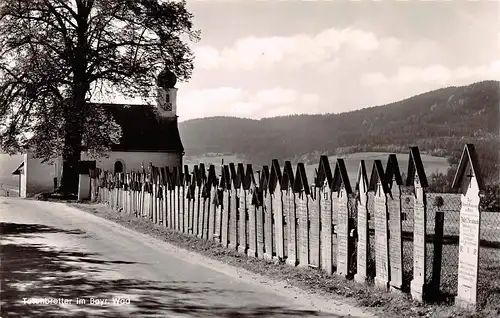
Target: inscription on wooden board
{"x": 342, "y": 234}
{"x": 362, "y": 261}
{"x": 395, "y": 240}
{"x": 468, "y": 251}
{"x": 381, "y": 242}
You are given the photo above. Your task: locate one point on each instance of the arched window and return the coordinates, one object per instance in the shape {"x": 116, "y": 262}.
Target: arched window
{"x": 118, "y": 166}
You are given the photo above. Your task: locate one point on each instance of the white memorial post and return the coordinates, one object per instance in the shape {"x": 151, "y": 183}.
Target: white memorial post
{"x": 417, "y": 178}
{"x": 324, "y": 182}
{"x": 394, "y": 181}
{"x": 362, "y": 231}
{"x": 302, "y": 195}
{"x": 290, "y": 212}
{"x": 379, "y": 185}
{"x": 341, "y": 190}
{"x": 469, "y": 181}
{"x": 277, "y": 206}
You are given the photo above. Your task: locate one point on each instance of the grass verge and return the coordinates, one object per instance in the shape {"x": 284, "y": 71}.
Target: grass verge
{"x": 381, "y": 303}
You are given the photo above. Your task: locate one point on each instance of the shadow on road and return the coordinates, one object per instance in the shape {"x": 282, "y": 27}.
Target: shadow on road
{"x": 28, "y": 230}
{"x": 34, "y": 271}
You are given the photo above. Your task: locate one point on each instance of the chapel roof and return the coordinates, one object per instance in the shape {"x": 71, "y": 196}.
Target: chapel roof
{"x": 143, "y": 129}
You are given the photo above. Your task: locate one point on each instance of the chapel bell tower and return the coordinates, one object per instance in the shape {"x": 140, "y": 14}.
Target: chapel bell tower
{"x": 167, "y": 94}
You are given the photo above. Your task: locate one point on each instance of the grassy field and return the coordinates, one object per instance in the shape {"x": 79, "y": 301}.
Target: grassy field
{"x": 431, "y": 163}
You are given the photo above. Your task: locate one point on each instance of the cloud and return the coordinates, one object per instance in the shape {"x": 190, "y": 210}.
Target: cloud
{"x": 294, "y": 51}
{"x": 373, "y": 79}
{"x": 276, "y": 96}
{"x": 434, "y": 74}
{"x": 230, "y": 101}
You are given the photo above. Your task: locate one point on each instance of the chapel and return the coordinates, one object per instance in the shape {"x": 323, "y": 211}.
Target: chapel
{"x": 150, "y": 134}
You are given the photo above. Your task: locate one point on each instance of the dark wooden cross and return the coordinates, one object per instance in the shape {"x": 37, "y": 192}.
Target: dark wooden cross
{"x": 470, "y": 176}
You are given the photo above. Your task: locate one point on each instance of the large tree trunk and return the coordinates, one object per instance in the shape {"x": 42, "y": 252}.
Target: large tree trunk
{"x": 75, "y": 113}
{"x": 71, "y": 157}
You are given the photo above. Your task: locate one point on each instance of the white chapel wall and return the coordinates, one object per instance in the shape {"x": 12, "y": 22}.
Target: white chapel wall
{"x": 134, "y": 160}
{"x": 38, "y": 177}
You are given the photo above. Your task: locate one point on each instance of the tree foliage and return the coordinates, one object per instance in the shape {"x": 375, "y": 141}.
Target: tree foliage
{"x": 56, "y": 55}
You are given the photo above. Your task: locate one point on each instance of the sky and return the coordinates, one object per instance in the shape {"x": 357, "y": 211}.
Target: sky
{"x": 260, "y": 58}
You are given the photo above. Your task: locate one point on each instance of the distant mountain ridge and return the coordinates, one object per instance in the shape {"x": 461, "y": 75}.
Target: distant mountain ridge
{"x": 438, "y": 121}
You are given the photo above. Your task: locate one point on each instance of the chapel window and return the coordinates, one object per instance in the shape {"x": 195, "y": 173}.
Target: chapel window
{"x": 118, "y": 167}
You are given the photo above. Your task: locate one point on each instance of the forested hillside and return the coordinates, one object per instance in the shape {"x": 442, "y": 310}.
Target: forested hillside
{"x": 439, "y": 122}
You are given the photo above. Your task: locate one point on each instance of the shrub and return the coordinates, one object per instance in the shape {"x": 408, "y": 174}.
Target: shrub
{"x": 490, "y": 200}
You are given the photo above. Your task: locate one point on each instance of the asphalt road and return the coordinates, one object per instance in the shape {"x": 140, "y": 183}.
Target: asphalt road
{"x": 57, "y": 261}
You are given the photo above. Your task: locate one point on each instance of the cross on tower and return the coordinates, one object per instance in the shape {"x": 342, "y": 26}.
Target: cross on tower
{"x": 470, "y": 176}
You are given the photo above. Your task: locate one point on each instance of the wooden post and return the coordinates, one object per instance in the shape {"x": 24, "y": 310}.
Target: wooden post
{"x": 252, "y": 221}
{"x": 218, "y": 215}
{"x": 341, "y": 188}
{"x": 438, "y": 253}
{"x": 212, "y": 212}
{"x": 226, "y": 201}
{"x": 201, "y": 215}
{"x": 267, "y": 225}
{"x": 313, "y": 206}
{"x": 243, "y": 212}
{"x": 180, "y": 206}
{"x": 165, "y": 206}
{"x": 187, "y": 208}
{"x": 196, "y": 209}
{"x": 277, "y": 206}
{"x": 206, "y": 213}
{"x": 154, "y": 208}
{"x": 302, "y": 229}
{"x": 233, "y": 219}
{"x": 291, "y": 208}
{"x": 326, "y": 229}
{"x": 340, "y": 201}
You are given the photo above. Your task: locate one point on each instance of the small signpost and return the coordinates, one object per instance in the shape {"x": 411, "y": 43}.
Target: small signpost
{"x": 468, "y": 179}
{"x": 84, "y": 168}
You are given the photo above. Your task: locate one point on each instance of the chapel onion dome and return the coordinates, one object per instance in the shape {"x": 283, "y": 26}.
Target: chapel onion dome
{"x": 166, "y": 79}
